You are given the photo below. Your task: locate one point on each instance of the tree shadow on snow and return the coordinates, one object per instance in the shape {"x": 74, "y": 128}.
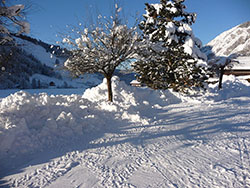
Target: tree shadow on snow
{"x": 186, "y": 126}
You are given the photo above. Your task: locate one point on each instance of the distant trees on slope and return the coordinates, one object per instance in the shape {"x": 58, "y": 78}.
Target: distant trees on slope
{"x": 18, "y": 67}
{"x": 55, "y": 49}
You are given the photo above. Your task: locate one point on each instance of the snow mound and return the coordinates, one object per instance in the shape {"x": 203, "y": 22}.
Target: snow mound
{"x": 232, "y": 87}
{"x": 127, "y": 96}
{"x": 32, "y": 123}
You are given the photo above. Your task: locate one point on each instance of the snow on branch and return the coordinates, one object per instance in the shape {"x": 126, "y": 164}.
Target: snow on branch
{"x": 10, "y": 16}
{"x": 223, "y": 61}
{"x": 168, "y": 22}
{"x": 101, "y": 48}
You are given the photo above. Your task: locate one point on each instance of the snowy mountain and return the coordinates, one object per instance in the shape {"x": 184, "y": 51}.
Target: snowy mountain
{"x": 32, "y": 63}
{"x": 233, "y": 41}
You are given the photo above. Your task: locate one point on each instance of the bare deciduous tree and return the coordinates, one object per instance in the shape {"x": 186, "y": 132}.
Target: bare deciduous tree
{"x": 101, "y": 48}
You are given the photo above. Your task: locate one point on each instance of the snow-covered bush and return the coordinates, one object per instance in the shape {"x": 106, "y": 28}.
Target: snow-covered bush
{"x": 170, "y": 55}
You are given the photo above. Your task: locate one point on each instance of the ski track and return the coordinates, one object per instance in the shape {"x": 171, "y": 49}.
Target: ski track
{"x": 184, "y": 147}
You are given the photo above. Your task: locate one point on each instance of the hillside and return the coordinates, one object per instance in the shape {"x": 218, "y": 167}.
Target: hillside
{"x": 235, "y": 40}
{"x": 31, "y": 63}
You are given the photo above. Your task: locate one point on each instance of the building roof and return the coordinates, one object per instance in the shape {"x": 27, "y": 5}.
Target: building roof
{"x": 244, "y": 63}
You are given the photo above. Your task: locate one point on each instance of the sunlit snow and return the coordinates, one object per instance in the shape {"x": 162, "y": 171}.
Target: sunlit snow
{"x": 145, "y": 138}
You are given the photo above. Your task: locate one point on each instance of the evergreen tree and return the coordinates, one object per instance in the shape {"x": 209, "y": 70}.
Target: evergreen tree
{"x": 169, "y": 56}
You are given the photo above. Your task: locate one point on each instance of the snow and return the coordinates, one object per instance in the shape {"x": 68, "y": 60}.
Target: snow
{"x": 185, "y": 28}
{"x": 14, "y": 10}
{"x": 153, "y": 28}
{"x": 49, "y": 91}
{"x": 157, "y": 7}
{"x": 235, "y": 40}
{"x": 170, "y": 29}
{"x": 104, "y": 57}
{"x": 233, "y": 87}
{"x": 37, "y": 51}
{"x": 85, "y": 81}
{"x": 222, "y": 61}
{"x": 12, "y": 16}
{"x": 244, "y": 63}
{"x": 146, "y": 138}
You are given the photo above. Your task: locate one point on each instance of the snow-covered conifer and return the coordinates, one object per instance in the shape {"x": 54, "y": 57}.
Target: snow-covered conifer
{"x": 102, "y": 48}
{"x": 169, "y": 56}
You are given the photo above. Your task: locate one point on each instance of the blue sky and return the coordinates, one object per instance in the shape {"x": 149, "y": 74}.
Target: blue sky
{"x": 50, "y": 17}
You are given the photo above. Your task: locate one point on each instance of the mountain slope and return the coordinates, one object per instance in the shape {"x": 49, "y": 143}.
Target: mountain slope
{"x": 235, "y": 40}
{"x": 31, "y": 63}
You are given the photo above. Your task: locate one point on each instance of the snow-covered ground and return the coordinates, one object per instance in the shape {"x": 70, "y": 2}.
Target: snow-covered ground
{"x": 145, "y": 138}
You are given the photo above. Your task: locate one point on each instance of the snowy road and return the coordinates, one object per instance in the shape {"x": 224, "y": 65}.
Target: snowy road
{"x": 184, "y": 145}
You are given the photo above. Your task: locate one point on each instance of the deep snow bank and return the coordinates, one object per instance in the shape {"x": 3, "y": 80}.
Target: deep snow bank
{"x": 127, "y": 96}
{"x": 231, "y": 87}
{"x": 31, "y": 123}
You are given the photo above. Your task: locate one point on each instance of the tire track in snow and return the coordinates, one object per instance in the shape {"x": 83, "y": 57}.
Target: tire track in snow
{"x": 178, "y": 171}
{"x": 226, "y": 166}
{"x": 166, "y": 174}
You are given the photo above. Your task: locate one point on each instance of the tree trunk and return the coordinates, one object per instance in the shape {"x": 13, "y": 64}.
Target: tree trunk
{"x": 109, "y": 84}
{"x": 221, "y": 77}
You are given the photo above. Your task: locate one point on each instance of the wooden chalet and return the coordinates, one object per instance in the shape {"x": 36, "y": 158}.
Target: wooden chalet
{"x": 239, "y": 69}
{"x": 136, "y": 83}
